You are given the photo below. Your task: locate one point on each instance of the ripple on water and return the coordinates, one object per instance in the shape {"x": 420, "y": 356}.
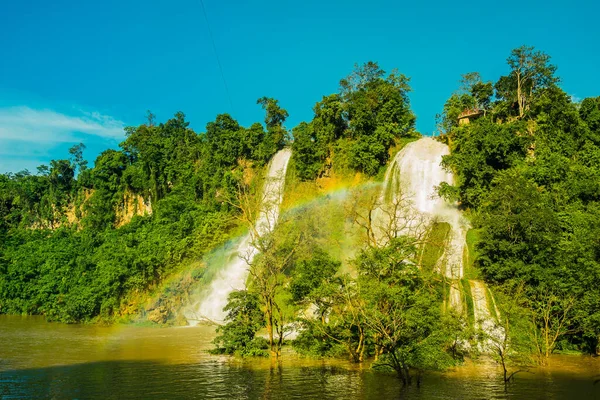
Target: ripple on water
{"x": 66, "y": 361}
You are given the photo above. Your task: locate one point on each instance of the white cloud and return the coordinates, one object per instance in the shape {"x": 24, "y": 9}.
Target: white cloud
{"x": 30, "y": 125}
{"x": 30, "y": 137}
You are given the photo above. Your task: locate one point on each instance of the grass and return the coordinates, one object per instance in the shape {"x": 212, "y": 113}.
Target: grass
{"x": 466, "y": 286}
{"x": 491, "y": 303}
{"x": 434, "y": 246}
{"x": 470, "y": 255}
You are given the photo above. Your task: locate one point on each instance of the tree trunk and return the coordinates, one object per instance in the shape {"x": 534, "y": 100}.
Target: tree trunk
{"x": 402, "y": 377}
{"x": 519, "y": 95}
{"x": 547, "y": 338}
{"x": 407, "y": 374}
{"x": 360, "y": 348}
{"x": 279, "y": 343}
{"x": 269, "y": 321}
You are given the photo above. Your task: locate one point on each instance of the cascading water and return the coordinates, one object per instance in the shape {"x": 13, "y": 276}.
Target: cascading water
{"x": 416, "y": 171}
{"x": 484, "y": 321}
{"x": 412, "y": 178}
{"x": 234, "y": 274}
{"x": 481, "y": 310}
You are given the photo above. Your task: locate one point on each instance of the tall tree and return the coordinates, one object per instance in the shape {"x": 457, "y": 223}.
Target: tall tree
{"x": 531, "y": 72}
{"x": 377, "y": 109}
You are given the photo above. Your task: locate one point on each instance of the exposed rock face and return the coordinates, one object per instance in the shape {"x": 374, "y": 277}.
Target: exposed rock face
{"x": 71, "y": 215}
{"x": 68, "y": 215}
{"x": 133, "y": 205}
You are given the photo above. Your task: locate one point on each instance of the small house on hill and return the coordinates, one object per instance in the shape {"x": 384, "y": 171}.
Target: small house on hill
{"x": 469, "y": 114}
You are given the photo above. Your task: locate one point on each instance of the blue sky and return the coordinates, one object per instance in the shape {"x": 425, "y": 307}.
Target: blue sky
{"x": 74, "y": 71}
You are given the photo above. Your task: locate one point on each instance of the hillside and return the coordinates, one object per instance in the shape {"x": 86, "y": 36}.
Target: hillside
{"x": 506, "y": 258}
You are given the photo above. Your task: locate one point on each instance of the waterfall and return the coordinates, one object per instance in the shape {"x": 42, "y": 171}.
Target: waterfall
{"x": 481, "y": 309}
{"x": 484, "y": 321}
{"x": 416, "y": 171}
{"x": 412, "y": 178}
{"x": 233, "y": 275}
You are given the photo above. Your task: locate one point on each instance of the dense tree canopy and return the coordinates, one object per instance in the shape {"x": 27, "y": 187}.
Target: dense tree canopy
{"x": 528, "y": 170}
{"x": 358, "y": 125}
{"x": 61, "y": 254}
{"x": 77, "y": 242}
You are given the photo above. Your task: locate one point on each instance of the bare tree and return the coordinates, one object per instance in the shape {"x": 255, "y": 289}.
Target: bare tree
{"x": 551, "y": 317}
{"x": 381, "y": 220}
{"x": 507, "y": 337}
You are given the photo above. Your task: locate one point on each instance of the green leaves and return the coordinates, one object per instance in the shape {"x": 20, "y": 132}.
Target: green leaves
{"x": 308, "y": 153}
{"x": 480, "y": 151}
{"x": 244, "y": 319}
{"x": 310, "y": 274}
{"x": 369, "y": 114}
{"x": 391, "y": 310}
{"x": 377, "y": 111}
{"x": 528, "y": 171}
{"x": 87, "y": 268}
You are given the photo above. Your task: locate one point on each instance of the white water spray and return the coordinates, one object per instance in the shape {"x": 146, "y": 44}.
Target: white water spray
{"x": 484, "y": 320}
{"x": 234, "y": 274}
{"x": 412, "y": 177}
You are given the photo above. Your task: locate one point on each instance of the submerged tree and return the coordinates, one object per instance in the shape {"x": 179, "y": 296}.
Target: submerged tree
{"x": 508, "y": 338}
{"x": 391, "y": 311}
{"x": 402, "y": 310}
{"x": 244, "y": 318}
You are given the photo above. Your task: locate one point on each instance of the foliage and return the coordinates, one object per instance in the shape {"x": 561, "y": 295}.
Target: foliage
{"x": 310, "y": 274}
{"x": 473, "y": 95}
{"x": 308, "y": 154}
{"x": 527, "y": 168}
{"x": 392, "y": 311}
{"x": 363, "y": 121}
{"x": 509, "y": 339}
{"x": 244, "y": 318}
{"x": 402, "y": 309}
{"x": 62, "y": 254}
{"x": 529, "y": 172}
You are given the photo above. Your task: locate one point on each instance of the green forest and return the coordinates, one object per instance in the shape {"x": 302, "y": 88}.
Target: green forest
{"x": 83, "y": 244}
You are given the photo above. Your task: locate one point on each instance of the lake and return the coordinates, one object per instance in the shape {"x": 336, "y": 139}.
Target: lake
{"x": 59, "y": 361}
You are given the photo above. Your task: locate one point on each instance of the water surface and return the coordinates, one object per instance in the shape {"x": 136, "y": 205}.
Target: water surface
{"x": 50, "y": 360}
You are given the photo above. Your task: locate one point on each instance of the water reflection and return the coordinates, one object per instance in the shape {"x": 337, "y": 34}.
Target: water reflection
{"x": 155, "y": 380}
{"x": 40, "y": 360}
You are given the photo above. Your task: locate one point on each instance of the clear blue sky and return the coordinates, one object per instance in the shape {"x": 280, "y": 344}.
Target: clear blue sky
{"x": 74, "y": 70}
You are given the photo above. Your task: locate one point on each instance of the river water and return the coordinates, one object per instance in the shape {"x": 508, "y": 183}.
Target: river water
{"x": 51, "y": 360}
